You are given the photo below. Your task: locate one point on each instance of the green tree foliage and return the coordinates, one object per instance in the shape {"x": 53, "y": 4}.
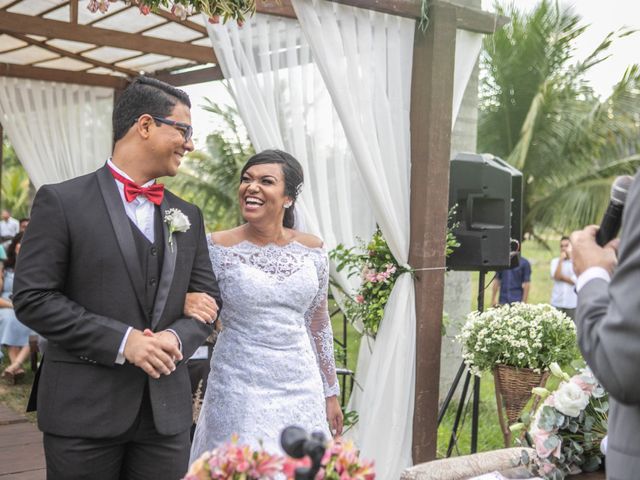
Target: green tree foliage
{"x": 15, "y": 183}
{"x": 210, "y": 178}
{"x": 538, "y": 112}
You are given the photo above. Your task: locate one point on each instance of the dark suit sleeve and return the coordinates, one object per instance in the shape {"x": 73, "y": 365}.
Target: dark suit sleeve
{"x": 192, "y": 332}
{"x": 608, "y": 319}
{"x": 39, "y": 284}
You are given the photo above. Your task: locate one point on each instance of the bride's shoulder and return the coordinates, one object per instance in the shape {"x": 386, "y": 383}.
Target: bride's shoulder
{"x": 306, "y": 239}
{"x": 226, "y": 238}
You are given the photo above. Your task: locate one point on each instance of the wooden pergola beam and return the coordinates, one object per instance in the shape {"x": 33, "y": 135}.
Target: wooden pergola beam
{"x": 65, "y": 76}
{"x": 25, "y": 24}
{"x": 283, "y": 8}
{"x": 172, "y": 18}
{"x": 467, "y": 18}
{"x": 73, "y": 12}
{"x": 191, "y": 77}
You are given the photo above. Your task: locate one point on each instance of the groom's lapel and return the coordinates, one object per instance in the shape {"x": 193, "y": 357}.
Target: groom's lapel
{"x": 122, "y": 229}
{"x": 168, "y": 267}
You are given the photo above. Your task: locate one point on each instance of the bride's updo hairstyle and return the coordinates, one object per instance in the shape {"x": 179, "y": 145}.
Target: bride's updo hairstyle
{"x": 292, "y": 172}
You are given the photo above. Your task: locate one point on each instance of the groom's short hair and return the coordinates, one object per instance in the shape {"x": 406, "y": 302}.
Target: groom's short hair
{"x": 145, "y": 95}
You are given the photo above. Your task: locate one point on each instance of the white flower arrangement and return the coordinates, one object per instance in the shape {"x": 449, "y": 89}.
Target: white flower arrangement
{"x": 568, "y": 431}
{"x": 177, "y": 222}
{"x": 520, "y": 335}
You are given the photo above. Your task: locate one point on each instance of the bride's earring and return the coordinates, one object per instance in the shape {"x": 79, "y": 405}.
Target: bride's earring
{"x": 288, "y": 204}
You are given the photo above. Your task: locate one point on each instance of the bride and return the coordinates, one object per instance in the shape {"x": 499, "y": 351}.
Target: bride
{"x": 273, "y": 364}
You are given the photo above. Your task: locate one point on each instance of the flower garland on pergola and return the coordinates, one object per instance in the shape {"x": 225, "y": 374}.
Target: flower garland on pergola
{"x": 216, "y": 10}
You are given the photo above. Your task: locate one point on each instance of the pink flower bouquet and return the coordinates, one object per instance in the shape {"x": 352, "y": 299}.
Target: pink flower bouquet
{"x": 236, "y": 462}
{"x": 569, "y": 426}
{"x": 241, "y": 462}
{"x": 340, "y": 462}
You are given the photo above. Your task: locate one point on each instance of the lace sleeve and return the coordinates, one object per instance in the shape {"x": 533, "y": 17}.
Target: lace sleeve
{"x": 320, "y": 331}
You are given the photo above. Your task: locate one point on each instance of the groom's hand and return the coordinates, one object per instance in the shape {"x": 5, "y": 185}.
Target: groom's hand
{"x": 152, "y": 354}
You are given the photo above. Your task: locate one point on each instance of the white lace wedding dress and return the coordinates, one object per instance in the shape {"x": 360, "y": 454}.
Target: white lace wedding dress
{"x": 273, "y": 362}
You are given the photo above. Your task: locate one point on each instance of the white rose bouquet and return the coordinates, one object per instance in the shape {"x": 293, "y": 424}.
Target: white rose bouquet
{"x": 519, "y": 335}
{"x": 569, "y": 426}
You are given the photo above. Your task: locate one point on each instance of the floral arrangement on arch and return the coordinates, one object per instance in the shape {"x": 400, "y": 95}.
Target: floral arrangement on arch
{"x": 232, "y": 461}
{"x": 568, "y": 427}
{"x": 378, "y": 270}
{"x": 519, "y": 335}
{"x": 216, "y": 10}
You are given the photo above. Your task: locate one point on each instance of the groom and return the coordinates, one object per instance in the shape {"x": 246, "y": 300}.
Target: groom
{"x": 103, "y": 274}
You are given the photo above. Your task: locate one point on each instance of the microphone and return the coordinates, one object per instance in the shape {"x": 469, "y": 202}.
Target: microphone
{"x": 613, "y": 215}
{"x": 296, "y": 443}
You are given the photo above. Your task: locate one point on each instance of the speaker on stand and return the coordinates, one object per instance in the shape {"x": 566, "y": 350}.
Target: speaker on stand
{"x": 487, "y": 195}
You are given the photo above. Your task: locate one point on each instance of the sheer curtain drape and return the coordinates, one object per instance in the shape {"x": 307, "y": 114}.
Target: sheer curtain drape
{"x": 365, "y": 59}
{"x": 59, "y": 130}
{"x": 284, "y": 104}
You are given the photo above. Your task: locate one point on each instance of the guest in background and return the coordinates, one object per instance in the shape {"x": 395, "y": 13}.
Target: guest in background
{"x": 512, "y": 284}
{"x": 15, "y": 336}
{"x": 9, "y": 228}
{"x": 24, "y": 222}
{"x": 563, "y": 295}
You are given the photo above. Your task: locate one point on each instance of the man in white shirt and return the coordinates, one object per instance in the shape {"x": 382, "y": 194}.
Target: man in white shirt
{"x": 563, "y": 295}
{"x": 9, "y": 228}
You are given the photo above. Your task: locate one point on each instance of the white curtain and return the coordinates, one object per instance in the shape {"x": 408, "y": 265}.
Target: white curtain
{"x": 365, "y": 58}
{"x": 284, "y": 104}
{"x": 59, "y": 130}
{"x": 468, "y": 46}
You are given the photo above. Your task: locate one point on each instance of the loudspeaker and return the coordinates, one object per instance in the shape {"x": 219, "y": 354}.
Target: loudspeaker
{"x": 487, "y": 194}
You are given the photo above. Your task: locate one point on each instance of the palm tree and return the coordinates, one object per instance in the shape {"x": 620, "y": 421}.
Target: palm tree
{"x": 210, "y": 179}
{"x": 538, "y": 112}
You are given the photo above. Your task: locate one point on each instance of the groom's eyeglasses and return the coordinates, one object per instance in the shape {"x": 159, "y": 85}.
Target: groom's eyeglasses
{"x": 185, "y": 129}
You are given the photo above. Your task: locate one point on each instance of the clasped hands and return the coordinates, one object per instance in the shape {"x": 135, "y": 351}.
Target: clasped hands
{"x": 157, "y": 353}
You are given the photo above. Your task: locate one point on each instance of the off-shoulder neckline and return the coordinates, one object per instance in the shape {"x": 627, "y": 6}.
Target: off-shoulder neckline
{"x": 255, "y": 245}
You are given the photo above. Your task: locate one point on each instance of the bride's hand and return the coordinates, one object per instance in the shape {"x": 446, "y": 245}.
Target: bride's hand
{"x": 201, "y": 306}
{"x": 334, "y": 415}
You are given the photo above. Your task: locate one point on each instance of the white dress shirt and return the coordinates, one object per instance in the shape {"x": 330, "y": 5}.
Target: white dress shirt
{"x": 141, "y": 211}
{"x": 591, "y": 273}
{"x": 563, "y": 294}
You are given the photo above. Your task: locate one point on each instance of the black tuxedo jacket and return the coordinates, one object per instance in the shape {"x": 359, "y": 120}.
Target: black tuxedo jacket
{"x": 79, "y": 284}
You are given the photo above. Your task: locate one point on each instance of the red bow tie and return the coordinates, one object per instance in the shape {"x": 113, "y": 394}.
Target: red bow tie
{"x": 153, "y": 192}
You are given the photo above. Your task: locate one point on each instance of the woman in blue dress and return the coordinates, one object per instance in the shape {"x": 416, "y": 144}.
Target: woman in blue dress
{"x": 14, "y": 335}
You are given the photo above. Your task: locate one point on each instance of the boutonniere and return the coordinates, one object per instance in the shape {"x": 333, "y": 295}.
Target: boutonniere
{"x": 177, "y": 222}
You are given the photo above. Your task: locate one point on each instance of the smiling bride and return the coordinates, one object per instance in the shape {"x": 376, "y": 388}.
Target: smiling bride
{"x": 273, "y": 364}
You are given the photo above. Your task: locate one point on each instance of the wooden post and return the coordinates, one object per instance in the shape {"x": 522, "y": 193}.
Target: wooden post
{"x": 431, "y": 111}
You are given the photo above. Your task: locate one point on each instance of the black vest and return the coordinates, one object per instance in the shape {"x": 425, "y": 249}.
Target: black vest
{"x": 151, "y": 256}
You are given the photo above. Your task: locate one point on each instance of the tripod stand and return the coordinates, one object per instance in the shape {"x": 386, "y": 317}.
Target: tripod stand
{"x": 463, "y": 396}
